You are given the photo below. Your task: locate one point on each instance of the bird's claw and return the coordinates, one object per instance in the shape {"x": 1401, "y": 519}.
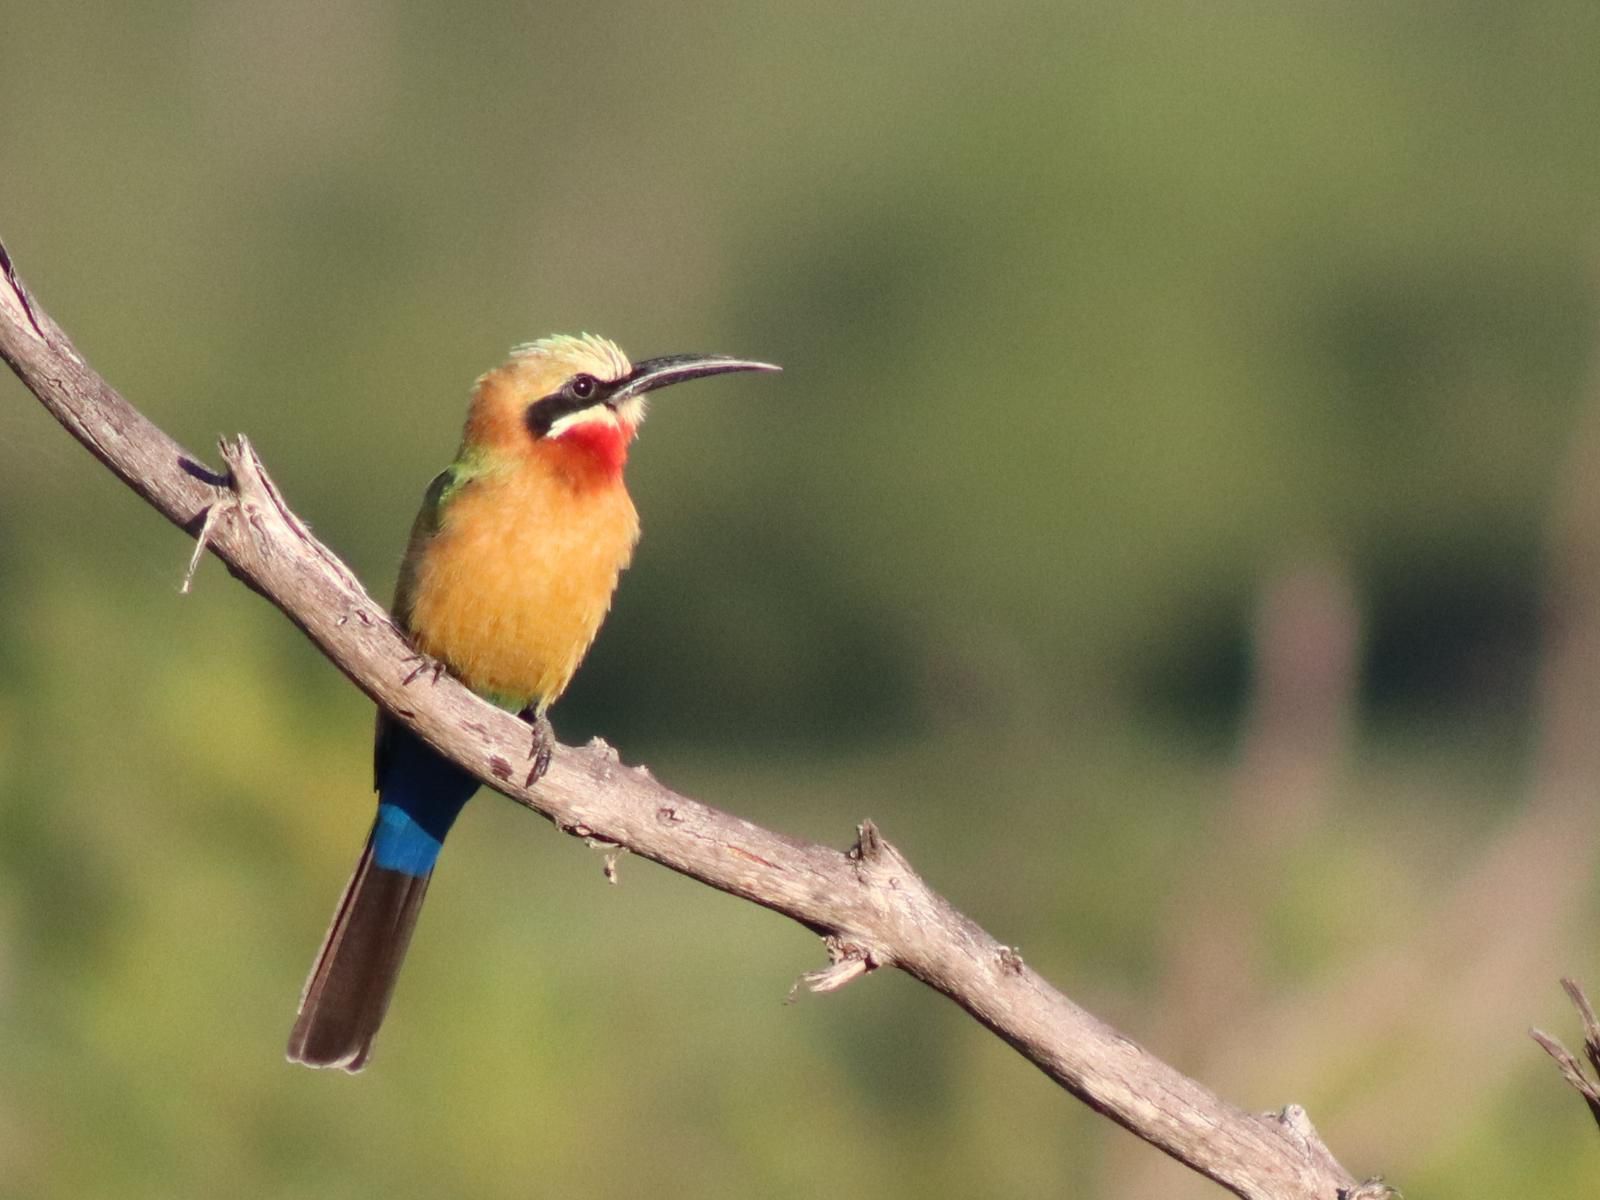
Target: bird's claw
{"x": 424, "y": 665}
{"x": 544, "y": 740}
{"x": 541, "y": 764}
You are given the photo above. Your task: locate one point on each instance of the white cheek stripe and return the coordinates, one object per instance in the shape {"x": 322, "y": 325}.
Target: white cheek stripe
{"x": 584, "y": 416}
{"x": 630, "y": 412}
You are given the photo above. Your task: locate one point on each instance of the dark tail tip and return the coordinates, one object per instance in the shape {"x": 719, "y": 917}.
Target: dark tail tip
{"x": 348, "y": 993}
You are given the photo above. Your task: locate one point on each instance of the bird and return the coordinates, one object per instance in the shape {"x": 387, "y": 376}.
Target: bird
{"x": 507, "y": 576}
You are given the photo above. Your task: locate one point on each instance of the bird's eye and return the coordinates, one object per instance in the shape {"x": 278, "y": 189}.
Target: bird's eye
{"x": 583, "y": 386}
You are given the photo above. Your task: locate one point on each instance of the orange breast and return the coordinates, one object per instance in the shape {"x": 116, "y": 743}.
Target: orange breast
{"x": 512, "y": 589}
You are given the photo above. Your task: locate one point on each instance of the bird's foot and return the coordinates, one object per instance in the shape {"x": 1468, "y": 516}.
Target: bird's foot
{"x": 544, "y": 741}
{"x": 423, "y": 667}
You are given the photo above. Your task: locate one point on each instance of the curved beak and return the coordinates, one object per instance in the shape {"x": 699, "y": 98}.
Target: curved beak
{"x": 655, "y": 373}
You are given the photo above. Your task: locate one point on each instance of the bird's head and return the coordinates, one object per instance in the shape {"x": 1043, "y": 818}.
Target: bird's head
{"x": 578, "y": 401}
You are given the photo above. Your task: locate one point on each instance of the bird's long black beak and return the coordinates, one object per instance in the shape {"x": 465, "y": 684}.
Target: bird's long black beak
{"x": 655, "y": 373}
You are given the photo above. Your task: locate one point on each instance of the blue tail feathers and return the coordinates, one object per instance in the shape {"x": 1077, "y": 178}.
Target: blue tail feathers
{"x": 345, "y": 999}
{"x": 420, "y": 796}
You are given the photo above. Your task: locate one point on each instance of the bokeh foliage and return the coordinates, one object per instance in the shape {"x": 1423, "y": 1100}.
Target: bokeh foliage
{"x": 1096, "y": 319}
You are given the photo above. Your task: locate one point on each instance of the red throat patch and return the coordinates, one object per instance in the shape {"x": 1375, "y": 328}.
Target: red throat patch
{"x": 598, "y": 449}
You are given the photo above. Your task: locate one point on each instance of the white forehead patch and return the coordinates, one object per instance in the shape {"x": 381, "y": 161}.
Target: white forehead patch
{"x": 585, "y": 353}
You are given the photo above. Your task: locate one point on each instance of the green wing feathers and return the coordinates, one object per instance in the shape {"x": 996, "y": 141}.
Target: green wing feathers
{"x": 429, "y": 517}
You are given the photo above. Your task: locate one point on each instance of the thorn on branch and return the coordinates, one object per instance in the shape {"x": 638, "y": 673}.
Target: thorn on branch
{"x": 877, "y": 861}
{"x": 258, "y": 496}
{"x": 869, "y": 843}
{"x": 246, "y": 474}
{"x": 1571, "y": 1069}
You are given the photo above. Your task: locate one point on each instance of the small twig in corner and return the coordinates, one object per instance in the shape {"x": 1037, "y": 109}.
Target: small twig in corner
{"x": 1571, "y": 1068}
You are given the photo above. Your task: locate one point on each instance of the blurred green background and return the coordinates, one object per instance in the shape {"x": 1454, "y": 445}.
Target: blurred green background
{"x": 1177, "y": 525}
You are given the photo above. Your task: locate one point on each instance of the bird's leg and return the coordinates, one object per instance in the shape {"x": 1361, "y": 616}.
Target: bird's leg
{"x": 544, "y": 740}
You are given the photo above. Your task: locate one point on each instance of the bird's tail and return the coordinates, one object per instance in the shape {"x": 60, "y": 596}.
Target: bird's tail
{"x": 349, "y": 989}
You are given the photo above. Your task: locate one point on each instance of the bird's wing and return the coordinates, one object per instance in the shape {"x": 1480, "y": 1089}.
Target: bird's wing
{"x": 429, "y": 518}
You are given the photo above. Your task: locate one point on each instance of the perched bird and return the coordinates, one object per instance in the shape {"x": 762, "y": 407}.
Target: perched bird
{"x": 508, "y": 575}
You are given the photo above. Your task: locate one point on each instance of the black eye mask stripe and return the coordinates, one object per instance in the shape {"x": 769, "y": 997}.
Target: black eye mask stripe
{"x": 585, "y": 391}
{"x": 546, "y": 411}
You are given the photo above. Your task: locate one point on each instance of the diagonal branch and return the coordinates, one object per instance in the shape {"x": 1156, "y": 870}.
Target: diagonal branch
{"x": 870, "y": 906}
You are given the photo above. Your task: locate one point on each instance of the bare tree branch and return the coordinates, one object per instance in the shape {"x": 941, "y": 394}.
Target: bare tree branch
{"x": 868, "y": 904}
